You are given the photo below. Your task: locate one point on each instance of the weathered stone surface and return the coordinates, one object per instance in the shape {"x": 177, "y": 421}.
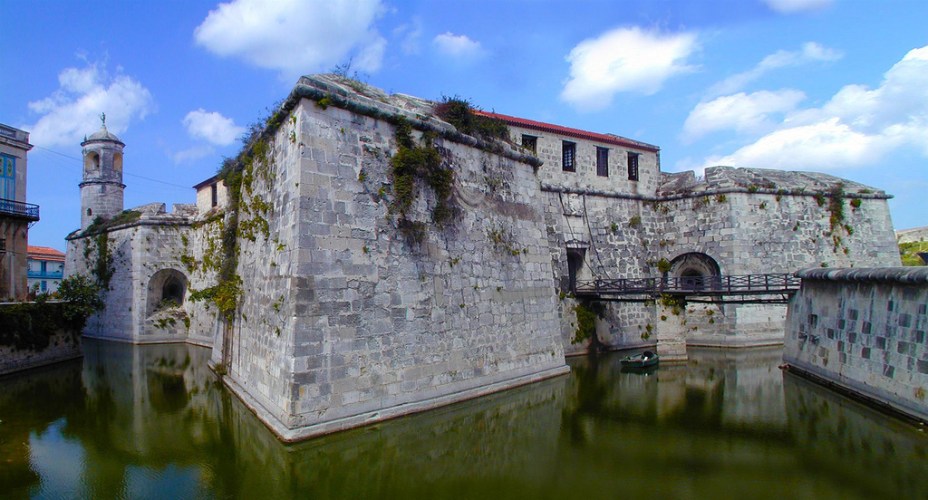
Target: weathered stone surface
{"x": 864, "y": 329}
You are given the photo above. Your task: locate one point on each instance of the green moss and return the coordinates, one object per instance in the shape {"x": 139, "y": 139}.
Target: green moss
{"x": 413, "y": 163}
{"x": 908, "y": 252}
{"x": 676, "y": 304}
{"x": 836, "y": 215}
{"x": 663, "y": 265}
{"x": 586, "y": 321}
{"x": 102, "y": 224}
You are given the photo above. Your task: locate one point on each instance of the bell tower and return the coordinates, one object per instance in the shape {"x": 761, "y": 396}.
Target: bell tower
{"x": 101, "y": 187}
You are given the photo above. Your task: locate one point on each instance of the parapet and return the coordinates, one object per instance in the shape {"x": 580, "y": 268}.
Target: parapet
{"x": 762, "y": 180}
{"x": 904, "y": 275}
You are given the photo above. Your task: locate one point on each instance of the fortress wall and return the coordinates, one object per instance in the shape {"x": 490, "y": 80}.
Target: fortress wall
{"x": 615, "y": 232}
{"x": 260, "y": 352}
{"x": 117, "y": 320}
{"x": 382, "y": 318}
{"x": 745, "y": 233}
{"x": 863, "y": 330}
{"x": 138, "y": 250}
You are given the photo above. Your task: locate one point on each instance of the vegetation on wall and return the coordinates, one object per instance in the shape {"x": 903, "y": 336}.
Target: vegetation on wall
{"x": 836, "y": 218}
{"x": 245, "y": 216}
{"x": 909, "y": 252}
{"x": 102, "y": 224}
{"x": 460, "y": 113}
{"x": 99, "y": 259}
{"x": 30, "y": 326}
{"x": 414, "y": 162}
{"x": 587, "y": 312}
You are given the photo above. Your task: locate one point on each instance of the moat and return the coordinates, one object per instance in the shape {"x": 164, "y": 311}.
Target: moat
{"x": 153, "y": 421}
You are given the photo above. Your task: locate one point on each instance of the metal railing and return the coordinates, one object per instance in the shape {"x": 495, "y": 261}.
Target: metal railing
{"x": 692, "y": 285}
{"x": 19, "y": 209}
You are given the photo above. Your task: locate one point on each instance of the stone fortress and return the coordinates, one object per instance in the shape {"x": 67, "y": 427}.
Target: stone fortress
{"x": 363, "y": 258}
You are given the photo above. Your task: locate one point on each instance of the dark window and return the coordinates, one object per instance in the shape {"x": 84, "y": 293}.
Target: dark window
{"x": 530, "y": 142}
{"x": 214, "y": 192}
{"x": 569, "y": 161}
{"x": 602, "y": 162}
{"x": 574, "y": 263}
{"x": 633, "y": 166}
{"x": 173, "y": 291}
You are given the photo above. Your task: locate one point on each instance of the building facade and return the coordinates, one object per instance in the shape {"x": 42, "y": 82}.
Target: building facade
{"x": 45, "y": 269}
{"x": 15, "y": 214}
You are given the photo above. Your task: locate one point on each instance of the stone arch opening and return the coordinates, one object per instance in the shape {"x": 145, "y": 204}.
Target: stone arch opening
{"x": 166, "y": 288}
{"x": 92, "y": 162}
{"x": 117, "y": 162}
{"x": 695, "y": 270}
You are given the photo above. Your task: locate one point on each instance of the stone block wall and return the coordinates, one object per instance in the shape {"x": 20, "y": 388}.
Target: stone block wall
{"x": 865, "y": 330}
{"x": 351, "y": 315}
{"x": 744, "y": 229}
{"x": 139, "y": 252}
{"x": 62, "y": 346}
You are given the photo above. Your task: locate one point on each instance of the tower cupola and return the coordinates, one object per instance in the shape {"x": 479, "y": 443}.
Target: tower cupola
{"x": 101, "y": 185}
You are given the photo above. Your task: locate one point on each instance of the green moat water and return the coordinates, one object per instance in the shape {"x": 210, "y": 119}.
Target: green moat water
{"x": 154, "y": 422}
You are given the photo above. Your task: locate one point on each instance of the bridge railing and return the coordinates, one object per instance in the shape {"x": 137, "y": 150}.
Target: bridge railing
{"x": 692, "y": 285}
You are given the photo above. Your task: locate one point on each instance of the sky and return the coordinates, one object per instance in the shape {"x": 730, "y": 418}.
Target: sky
{"x": 834, "y": 86}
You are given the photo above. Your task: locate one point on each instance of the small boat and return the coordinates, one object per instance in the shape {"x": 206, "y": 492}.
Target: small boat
{"x": 646, "y": 359}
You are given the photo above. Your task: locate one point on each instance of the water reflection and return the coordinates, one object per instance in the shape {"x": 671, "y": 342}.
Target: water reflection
{"x": 875, "y": 454}
{"x": 133, "y": 421}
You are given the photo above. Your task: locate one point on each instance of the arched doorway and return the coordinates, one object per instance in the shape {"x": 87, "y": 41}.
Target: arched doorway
{"x": 696, "y": 271}
{"x": 166, "y": 288}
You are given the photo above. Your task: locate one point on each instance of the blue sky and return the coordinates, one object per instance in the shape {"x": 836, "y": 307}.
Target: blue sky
{"x": 837, "y": 86}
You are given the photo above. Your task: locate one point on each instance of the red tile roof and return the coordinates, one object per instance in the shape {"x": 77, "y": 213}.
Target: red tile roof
{"x": 570, "y": 132}
{"x": 44, "y": 253}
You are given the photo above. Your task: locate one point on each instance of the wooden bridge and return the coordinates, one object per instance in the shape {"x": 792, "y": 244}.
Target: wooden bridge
{"x": 747, "y": 289}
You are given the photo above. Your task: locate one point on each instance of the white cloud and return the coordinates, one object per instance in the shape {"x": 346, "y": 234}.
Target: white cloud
{"x": 72, "y": 111}
{"x": 624, "y": 60}
{"x": 810, "y": 52}
{"x": 857, "y": 127}
{"x": 820, "y": 146}
{"x": 457, "y": 46}
{"x": 212, "y": 127}
{"x": 741, "y": 112}
{"x": 411, "y": 35}
{"x": 192, "y": 154}
{"x": 296, "y": 37}
{"x": 793, "y": 6}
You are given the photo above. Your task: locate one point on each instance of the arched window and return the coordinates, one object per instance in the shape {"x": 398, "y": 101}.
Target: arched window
{"x": 92, "y": 162}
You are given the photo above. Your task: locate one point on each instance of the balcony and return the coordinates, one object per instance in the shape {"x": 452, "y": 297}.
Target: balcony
{"x": 44, "y": 275}
{"x": 18, "y": 209}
